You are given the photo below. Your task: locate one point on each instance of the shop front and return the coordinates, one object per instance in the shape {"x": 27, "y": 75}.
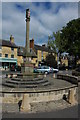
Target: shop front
{"x": 8, "y": 62}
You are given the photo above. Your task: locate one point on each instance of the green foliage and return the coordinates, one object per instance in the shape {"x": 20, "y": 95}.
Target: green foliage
{"x": 68, "y": 39}
{"x": 54, "y": 41}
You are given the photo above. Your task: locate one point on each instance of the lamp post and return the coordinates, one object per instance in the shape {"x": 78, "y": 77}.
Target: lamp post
{"x": 58, "y": 62}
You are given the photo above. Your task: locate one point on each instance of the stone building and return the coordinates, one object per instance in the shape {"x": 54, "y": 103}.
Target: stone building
{"x": 40, "y": 51}
{"x": 8, "y": 53}
{"x": 11, "y": 54}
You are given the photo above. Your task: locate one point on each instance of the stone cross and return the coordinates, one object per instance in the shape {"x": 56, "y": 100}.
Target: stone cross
{"x": 27, "y": 46}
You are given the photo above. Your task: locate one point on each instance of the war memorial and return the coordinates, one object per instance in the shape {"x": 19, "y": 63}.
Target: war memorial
{"x": 26, "y": 89}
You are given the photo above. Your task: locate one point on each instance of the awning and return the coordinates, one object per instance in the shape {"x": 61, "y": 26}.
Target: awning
{"x": 10, "y": 60}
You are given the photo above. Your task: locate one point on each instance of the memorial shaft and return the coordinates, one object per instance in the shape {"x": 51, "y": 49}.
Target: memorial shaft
{"x": 27, "y": 46}
{"x": 27, "y": 38}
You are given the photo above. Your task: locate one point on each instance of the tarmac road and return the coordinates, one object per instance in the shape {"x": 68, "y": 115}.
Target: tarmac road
{"x": 71, "y": 112}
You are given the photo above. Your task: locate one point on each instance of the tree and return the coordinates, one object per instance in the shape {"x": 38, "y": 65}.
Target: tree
{"x": 50, "y": 60}
{"x": 54, "y": 41}
{"x": 67, "y": 39}
{"x": 71, "y": 39}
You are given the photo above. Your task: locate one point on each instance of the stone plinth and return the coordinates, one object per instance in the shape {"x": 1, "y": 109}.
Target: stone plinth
{"x": 25, "y": 107}
{"x": 27, "y": 68}
{"x": 71, "y": 97}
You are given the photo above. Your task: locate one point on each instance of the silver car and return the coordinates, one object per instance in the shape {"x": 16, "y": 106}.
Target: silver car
{"x": 44, "y": 69}
{"x": 53, "y": 70}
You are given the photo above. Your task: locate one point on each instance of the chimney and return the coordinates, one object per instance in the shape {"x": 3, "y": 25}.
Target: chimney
{"x": 11, "y": 39}
{"x": 32, "y": 43}
{"x": 44, "y": 45}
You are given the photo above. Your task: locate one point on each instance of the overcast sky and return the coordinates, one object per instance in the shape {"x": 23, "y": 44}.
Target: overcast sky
{"x": 46, "y": 17}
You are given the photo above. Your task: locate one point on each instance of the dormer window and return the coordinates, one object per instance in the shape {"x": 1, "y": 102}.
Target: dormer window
{"x": 12, "y": 49}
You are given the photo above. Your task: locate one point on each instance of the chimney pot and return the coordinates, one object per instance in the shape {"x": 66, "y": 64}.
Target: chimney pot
{"x": 32, "y": 43}
{"x": 11, "y": 39}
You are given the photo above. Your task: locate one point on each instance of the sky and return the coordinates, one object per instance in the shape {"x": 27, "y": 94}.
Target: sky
{"x": 45, "y": 18}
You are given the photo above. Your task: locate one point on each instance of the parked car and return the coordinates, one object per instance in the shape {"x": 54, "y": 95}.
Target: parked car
{"x": 53, "y": 70}
{"x": 43, "y": 69}
{"x": 35, "y": 70}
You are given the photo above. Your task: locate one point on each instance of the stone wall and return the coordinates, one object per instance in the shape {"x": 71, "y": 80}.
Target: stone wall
{"x": 7, "y": 50}
{"x": 19, "y": 60}
{"x": 41, "y": 96}
{"x": 69, "y": 78}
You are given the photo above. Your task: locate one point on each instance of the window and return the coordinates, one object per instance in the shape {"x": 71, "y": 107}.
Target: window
{"x": 6, "y": 55}
{"x": 12, "y": 49}
{"x": 12, "y": 56}
{"x": 0, "y": 55}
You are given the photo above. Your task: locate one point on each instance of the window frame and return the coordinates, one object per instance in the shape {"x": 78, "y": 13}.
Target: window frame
{"x": 12, "y": 48}
{"x": 6, "y": 56}
{"x": 12, "y": 55}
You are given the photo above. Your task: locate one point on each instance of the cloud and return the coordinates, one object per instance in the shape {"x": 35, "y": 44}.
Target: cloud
{"x": 45, "y": 19}
{"x": 40, "y": 0}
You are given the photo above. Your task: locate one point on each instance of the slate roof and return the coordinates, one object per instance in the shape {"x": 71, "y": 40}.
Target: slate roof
{"x": 8, "y": 43}
{"x": 43, "y": 48}
{"x": 34, "y": 52}
{"x": 21, "y": 52}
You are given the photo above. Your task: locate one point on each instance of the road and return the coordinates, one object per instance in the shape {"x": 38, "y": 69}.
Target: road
{"x": 3, "y": 73}
{"x": 71, "y": 112}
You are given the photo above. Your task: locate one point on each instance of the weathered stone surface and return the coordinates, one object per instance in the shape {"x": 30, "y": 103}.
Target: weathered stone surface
{"x": 71, "y": 97}
{"x": 27, "y": 67}
{"x": 69, "y": 78}
{"x": 25, "y": 107}
{"x": 75, "y": 73}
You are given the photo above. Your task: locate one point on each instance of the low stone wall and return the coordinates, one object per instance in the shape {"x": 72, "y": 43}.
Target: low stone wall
{"x": 75, "y": 73}
{"x": 40, "y": 96}
{"x": 69, "y": 78}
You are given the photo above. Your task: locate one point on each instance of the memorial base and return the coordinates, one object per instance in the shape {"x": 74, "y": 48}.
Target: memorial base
{"x": 27, "y": 68}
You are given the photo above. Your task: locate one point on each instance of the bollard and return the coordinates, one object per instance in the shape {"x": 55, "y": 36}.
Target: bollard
{"x": 25, "y": 106}
{"x": 45, "y": 75}
{"x": 71, "y": 97}
{"x": 6, "y": 75}
{"x": 11, "y": 76}
{"x": 54, "y": 76}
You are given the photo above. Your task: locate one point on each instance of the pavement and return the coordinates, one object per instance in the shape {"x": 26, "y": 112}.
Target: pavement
{"x": 68, "y": 112}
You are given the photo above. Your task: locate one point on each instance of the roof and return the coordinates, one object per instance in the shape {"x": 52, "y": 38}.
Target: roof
{"x": 43, "y": 48}
{"x": 21, "y": 52}
{"x": 7, "y": 43}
